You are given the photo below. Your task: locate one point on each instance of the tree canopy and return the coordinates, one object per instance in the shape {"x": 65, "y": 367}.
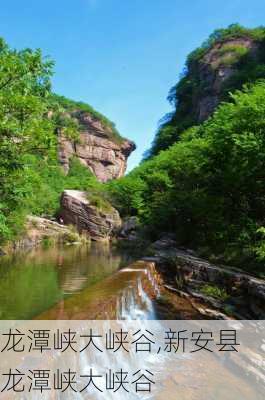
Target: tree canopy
{"x": 208, "y": 188}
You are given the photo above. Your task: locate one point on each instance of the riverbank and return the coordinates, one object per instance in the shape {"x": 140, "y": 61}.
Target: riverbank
{"x": 227, "y": 291}
{"x": 134, "y": 292}
{"x": 44, "y": 232}
{"x": 169, "y": 283}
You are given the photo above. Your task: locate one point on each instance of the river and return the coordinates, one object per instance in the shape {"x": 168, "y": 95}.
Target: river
{"x": 84, "y": 282}
{"x": 100, "y": 282}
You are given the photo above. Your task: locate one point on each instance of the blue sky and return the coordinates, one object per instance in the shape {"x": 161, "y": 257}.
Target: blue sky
{"x": 121, "y": 56}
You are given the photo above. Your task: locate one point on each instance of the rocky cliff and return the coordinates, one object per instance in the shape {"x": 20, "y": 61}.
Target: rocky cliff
{"x": 89, "y": 214}
{"x": 229, "y": 59}
{"x": 97, "y": 148}
{"x": 214, "y": 71}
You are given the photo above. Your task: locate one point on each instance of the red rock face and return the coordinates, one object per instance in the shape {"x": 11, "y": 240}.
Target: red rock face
{"x": 104, "y": 156}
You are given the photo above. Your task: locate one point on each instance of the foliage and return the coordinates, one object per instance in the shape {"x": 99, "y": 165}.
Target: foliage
{"x": 259, "y": 248}
{"x": 39, "y": 189}
{"x": 126, "y": 193}
{"x": 229, "y": 54}
{"x": 97, "y": 199}
{"x": 185, "y": 95}
{"x": 237, "y": 49}
{"x": 72, "y": 236}
{"x": 215, "y": 291}
{"x": 24, "y": 127}
{"x": 208, "y": 187}
{"x": 233, "y": 31}
{"x": 71, "y": 106}
{"x": 31, "y": 180}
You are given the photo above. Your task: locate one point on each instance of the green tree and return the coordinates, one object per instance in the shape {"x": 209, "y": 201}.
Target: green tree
{"x": 24, "y": 126}
{"x": 208, "y": 188}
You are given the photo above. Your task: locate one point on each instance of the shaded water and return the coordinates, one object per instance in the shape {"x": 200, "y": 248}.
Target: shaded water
{"x": 32, "y": 282}
{"x": 86, "y": 282}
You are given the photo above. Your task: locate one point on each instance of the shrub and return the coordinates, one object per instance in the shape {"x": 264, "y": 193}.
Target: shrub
{"x": 215, "y": 291}
{"x": 207, "y": 188}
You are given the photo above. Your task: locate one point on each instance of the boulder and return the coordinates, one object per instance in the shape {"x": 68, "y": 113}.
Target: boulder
{"x": 99, "y": 220}
{"x": 164, "y": 243}
{"x": 129, "y": 228}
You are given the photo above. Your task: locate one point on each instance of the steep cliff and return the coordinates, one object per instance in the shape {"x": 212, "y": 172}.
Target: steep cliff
{"x": 96, "y": 148}
{"x": 226, "y": 61}
{"x": 96, "y": 143}
{"x": 90, "y": 138}
{"x": 216, "y": 68}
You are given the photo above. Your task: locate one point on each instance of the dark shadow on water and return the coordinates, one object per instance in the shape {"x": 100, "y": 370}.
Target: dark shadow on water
{"x": 32, "y": 282}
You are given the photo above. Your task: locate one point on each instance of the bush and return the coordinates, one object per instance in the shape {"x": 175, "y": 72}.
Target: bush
{"x": 215, "y": 291}
{"x": 208, "y": 188}
{"x": 31, "y": 179}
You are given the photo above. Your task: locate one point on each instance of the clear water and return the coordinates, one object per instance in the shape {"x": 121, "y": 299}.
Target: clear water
{"x": 33, "y": 282}
{"x": 99, "y": 282}
{"x": 85, "y": 282}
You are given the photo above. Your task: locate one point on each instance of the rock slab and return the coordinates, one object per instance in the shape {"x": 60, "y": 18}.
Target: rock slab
{"x": 247, "y": 291}
{"x": 78, "y": 210}
{"x": 38, "y": 229}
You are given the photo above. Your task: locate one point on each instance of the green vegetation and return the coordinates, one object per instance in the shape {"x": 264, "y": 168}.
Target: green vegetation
{"x": 39, "y": 189}
{"x": 97, "y": 199}
{"x": 193, "y": 86}
{"x": 67, "y": 237}
{"x": 204, "y": 183}
{"x": 237, "y": 49}
{"x": 72, "y": 236}
{"x": 233, "y": 31}
{"x": 215, "y": 291}
{"x": 78, "y": 107}
{"x": 31, "y": 180}
{"x": 208, "y": 188}
{"x": 229, "y": 54}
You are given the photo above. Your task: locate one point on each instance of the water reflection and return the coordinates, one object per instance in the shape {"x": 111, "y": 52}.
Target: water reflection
{"x": 130, "y": 293}
{"x": 85, "y": 283}
{"x": 31, "y": 283}
{"x": 114, "y": 297}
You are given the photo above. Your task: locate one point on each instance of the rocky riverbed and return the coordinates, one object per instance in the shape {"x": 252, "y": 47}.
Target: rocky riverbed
{"x": 228, "y": 291}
